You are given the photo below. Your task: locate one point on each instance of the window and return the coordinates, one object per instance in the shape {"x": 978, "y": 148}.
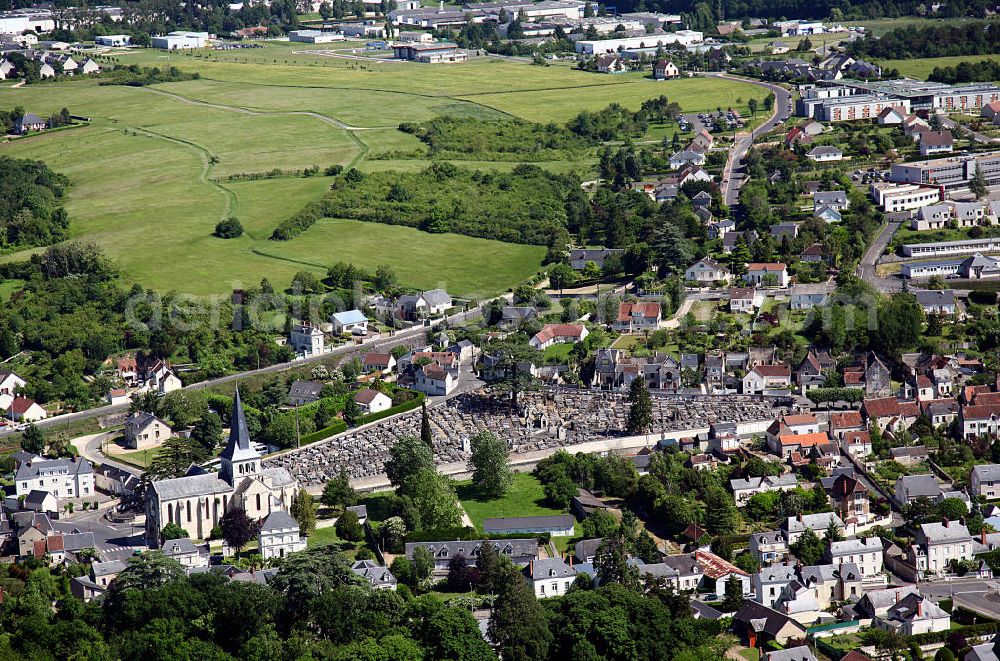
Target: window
{"x": 555, "y": 586}
{"x": 258, "y": 502}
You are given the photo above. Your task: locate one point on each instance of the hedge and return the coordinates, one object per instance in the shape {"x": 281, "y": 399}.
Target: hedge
{"x": 338, "y": 427}
{"x": 970, "y": 631}
{"x": 408, "y": 405}
{"x": 820, "y": 395}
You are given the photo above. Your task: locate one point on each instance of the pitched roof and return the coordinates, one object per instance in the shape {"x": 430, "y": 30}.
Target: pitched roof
{"x": 715, "y": 567}
{"x": 884, "y": 407}
{"x": 238, "y": 446}
{"x": 367, "y": 396}
{"x": 348, "y": 317}
{"x": 646, "y": 310}
{"x": 180, "y": 546}
{"x": 552, "y": 331}
{"x": 514, "y": 523}
{"x": 804, "y": 440}
{"x": 766, "y": 266}
{"x": 846, "y": 419}
{"x": 773, "y": 370}
{"x": 761, "y": 619}
{"x": 279, "y": 520}
{"x": 373, "y": 358}
{"x": 937, "y": 138}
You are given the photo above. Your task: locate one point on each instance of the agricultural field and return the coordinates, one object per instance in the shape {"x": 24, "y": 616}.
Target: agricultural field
{"x": 153, "y": 171}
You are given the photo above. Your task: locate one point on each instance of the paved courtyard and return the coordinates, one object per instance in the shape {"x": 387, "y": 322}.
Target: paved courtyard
{"x": 546, "y": 419}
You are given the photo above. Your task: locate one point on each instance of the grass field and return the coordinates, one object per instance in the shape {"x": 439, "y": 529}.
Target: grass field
{"x": 150, "y": 172}
{"x": 921, "y": 68}
{"x": 8, "y": 287}
{"x": 526, "y": 498}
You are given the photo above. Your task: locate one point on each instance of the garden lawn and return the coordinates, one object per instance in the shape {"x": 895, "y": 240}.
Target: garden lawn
{"x": 525, "y": 498}
{"x": 922, "y": 67}
{"x": 558, "y": 352}
{"x": 323, "y": 537}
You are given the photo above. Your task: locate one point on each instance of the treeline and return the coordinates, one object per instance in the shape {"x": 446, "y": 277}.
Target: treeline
{"x": 31, "y": 211}
{"x": 525, "y": 205}
{"x": 317, "y": 608}
{"x": 505, "y": 139}
{"x": 135, "y": 76}
{"x": 75, "y": 313}
{"x": 702, "y": 15}
{"x": 947, "y": 40}
{"x": 967, "y": 72}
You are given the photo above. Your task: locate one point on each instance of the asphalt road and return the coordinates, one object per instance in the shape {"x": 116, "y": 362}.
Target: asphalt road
{"x": 867, "y": 265}
{"x": 732, "y": 177}
{"x": 114, "y": 542}
{"x": 385, "y": 342}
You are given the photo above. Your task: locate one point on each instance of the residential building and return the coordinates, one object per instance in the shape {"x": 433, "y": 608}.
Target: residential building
{"x": 372, "y": 401}
{"x": 611, "y": 63}
{"x": 745, "y": 300}
{"x": 766, "y": 378}
{"x": 301, "y": 393}
{"x": 707, "y": 271}
{"x": 186, "y": 553}
{"x": 145, "y": 430}
{"x": 434, "y": 380}
{"x": 197, "y": 501}
{"x": 580, "y": 257}
{"x": 794, "y": 526}
{"x": 306, "y": 339}
{"x": 10, "y": 383}
{"x": 984, "y": 481}
{"x": 935, "y": 142}
{"x": 558, "y": 334}
{"x": 744, "y": 489}
{"x": 24, "y": 409}
{"x": 851, "y": 500}
{"x": 913, "y": 615}
{"x": 430, "y": 303}
{"x": 377, "y": 576}
{"x": 550, "y": 577}
{"x": 350, "y": 321}
{"x": 637, "y": 317}
{"x": 519, "y": 551}
{"x": 757, "y": 625}
{"x": 865, "y": 553}
{"x": 936, "y": 301}
{"x": 279, "y": 536}
{"x": 910, "y": 487}
{"x": 937, "y": 544}
{"x": 894, "y": 115}
{"x": 824, "y": 154}
{"x": 665, "y": 69}
{"x": 63, "y": 478}
{"x": 374, "y": 362}
{"x": 836, "y": 199}
{"x": 769, "y": 546}
{"x": 767, "y": 274}
{"x": 808, "y": 296}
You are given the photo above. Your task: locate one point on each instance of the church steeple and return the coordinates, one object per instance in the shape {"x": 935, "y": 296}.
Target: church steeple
{"x": 239, "y": 458}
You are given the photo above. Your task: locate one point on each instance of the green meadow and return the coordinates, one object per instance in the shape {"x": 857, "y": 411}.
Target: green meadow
{"x": 151, "y": 172}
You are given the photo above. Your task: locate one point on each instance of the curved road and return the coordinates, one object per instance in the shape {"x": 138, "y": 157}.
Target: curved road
{"x": 732, "y": 180}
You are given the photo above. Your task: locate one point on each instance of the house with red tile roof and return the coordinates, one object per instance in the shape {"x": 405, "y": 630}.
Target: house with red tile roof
{"x": 767, "y": 274}
{"x": 23, "y": 409}
{"x": 767, "y": 377}
{"x": 787, "y": 444}
{"x": 638, "y": 316}
{"x": 976, "y": 421}
{"x": 842, "y": 422}
{"x": 558, "y": 334}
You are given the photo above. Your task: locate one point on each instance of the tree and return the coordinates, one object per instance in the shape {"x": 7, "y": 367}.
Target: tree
{"x": 426, "y": 435}
{"x": 230, "y": 228}
{"x": 352, "y": 410}
{"x": 338, "y": 492}
{"x": 734, "y": 594}
{"x": 393, "y": 532}
{"x": 561, "y": 275}
{"x": 407, "y": 458}
{"x": 237, "y": 528}
{"x": 32, "y": 440}
{"x": 808, "y": 548}
{"x": 174, "y": 457}
{"x": 640, "y": 411}
{"x": 611, "y": 562}
{"x": 508, "y": 377}
{"x": 402, "y": 569}
{"x": 952, "y": 509}
{"x": 752, "y": 106}
{"x": 349, "y": 527}
{"x": 488, "y": 566}
{"x": 147, "y": 571}
{"x": 977, "y": 185}
{"x": 423, "y": 562}
{"x": 208, "y": 431}
{"x": 518, "y": 627}
{"x": 490, "y": 458}
{"x": 459, "y": 574}
{"x": 385, "y": 278}
{"x": 173, "y": 531}
{"x": 435, "y": 500}
{"x": 834, "y": 532}
{"x": 599, "y": 523}
{"x": 721, "y": 515}
{"x": 303, "y": 510}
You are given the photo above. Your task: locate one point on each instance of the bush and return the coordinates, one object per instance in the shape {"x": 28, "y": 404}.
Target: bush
{"x": 338, "y": 427}
{"x": 230, "y": 228}
{"x": 820, "y": 395}
{"x": 408, "y": 405}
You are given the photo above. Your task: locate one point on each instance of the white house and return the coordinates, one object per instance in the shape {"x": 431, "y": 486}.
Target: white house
{"x": 985, "y": 481}
{"x": 373, "y": 401}
{"x": 767, "y": 274}
{"x": 706, "y": 271}
{"x": 549, "y": 577}
{"x": 349, "y": 321}
{"x": 865, "y": 553}
{"x": 23, "y": 409}
{"x": 558, "y": 334}
{"x": 434, "y": 380}
{"x": 745, "y": 489}
{"x": 808, "y": 296}
{"x": 63, "y": 478}
{"x": 185, "y": 552}
{"x": 824, "y": 154}
{"x": 745, "y": 299}
{"x": 767, "y": 377}
{"x": 940, "y": 543}
{"x": 279, "y": 536}
{"x": 10, "y": 383}
{"x": 145, "y": 430}
{"x": 307, "y": 339}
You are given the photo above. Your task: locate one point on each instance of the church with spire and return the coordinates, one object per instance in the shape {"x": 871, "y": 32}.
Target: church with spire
{"x": 198, "y": 500}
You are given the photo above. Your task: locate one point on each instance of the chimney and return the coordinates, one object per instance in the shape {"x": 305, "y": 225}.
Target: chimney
{"x": 944, "y": 522}
{"x": 982, "y": 537}
{"x": 920, "y": 607}
{"x": 897, "y": 596}
{"x": 531, "y": 567}
{"x": 571, "y": 559}
{"x": 961, "y": 521}
{"x": 800, "y": 517}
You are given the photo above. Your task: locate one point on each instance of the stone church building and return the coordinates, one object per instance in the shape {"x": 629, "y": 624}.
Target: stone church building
{"x": 197, "y": 501}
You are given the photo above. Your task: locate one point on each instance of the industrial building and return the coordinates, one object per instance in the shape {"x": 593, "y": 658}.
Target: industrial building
{"x": 180, "y": 39}
{"x": 682, "y": 37}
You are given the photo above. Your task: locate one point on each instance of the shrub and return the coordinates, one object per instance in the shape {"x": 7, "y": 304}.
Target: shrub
{"x": 230, "y": 228}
